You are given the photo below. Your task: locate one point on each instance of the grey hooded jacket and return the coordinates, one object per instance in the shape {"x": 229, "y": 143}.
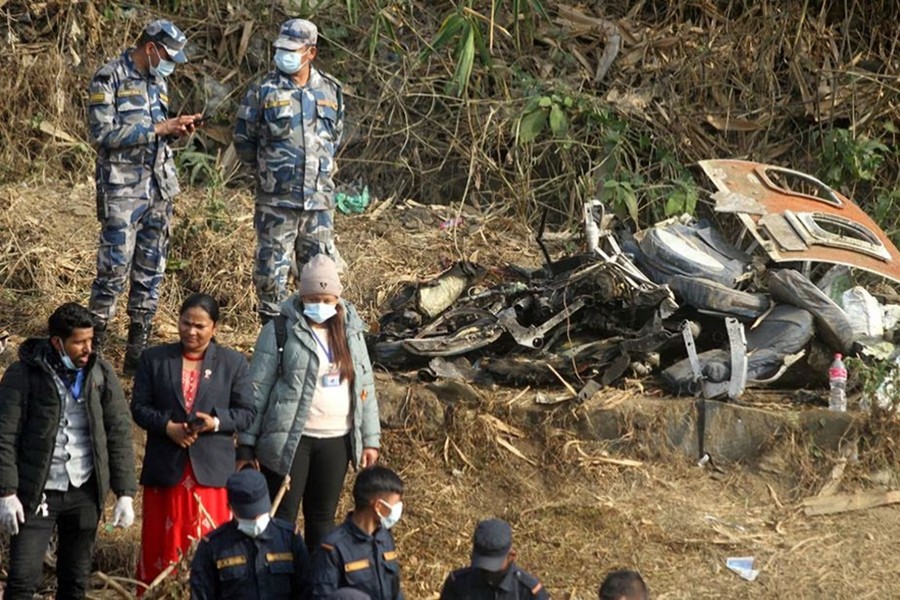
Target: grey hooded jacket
{"x": 282, "y": 403}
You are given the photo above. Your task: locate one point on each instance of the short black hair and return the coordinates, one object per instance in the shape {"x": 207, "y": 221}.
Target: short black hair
{"x": 144, "y": 40}
{"x": 67, "y": 318}
{"x": 375, "y": 480}
{"x": 204, "y": 301}
{"x": 624, "y": 585}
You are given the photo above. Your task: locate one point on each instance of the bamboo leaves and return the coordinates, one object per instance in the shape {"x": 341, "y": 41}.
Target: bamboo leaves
{"x": 463, "y": 28}
{"x": 465, "y": 60}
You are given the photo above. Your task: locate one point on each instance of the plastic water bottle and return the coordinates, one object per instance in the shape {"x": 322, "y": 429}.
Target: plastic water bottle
{"x": 837, "y": 381}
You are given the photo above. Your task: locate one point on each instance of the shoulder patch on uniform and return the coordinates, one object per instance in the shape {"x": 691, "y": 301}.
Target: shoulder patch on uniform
{"x": 328, "y": 547}
{"x": 356, "y": 565}
{"x": 231, "y": 561}
{"x": 327, "y": 103}
{"x": 106, "y": 71}
{"x": 363, "y": 395}
{"x": 164, "y": 98}
{"x": 277, "y": 103}
{"x": 537, "y": 588}
{"x": 331, "y": 78}
{"x": 100, "y": 98}
{"x": 279, "y": 556}
{"x": 390, "y": 555}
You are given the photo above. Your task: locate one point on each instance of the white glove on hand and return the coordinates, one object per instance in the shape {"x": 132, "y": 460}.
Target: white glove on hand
{"x": 123, "y": 513}
{"x": 11, "y": 514}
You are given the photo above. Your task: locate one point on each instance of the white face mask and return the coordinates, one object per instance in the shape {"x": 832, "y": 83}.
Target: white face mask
{"x": 319, "y": 312}
{"x": 253, "y": 527}
{"x": 391, "y": 519}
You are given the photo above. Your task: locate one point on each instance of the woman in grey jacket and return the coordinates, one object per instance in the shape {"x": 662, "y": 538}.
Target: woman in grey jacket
{"x": 315, "y": 400}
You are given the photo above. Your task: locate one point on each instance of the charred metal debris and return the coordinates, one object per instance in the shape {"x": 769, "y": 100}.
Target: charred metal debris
{"x": 706, "y": 315}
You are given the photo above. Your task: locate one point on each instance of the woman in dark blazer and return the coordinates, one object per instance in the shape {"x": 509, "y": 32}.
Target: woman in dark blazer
{"x": 191, "y": 397}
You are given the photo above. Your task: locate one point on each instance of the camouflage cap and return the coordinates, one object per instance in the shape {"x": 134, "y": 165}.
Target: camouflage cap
{"x": 170, "y": 37}
{"x": 296, "y": 33}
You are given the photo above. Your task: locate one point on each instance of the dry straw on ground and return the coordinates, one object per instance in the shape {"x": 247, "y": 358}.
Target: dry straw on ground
{"x": 576, "y": 514}
{"x": 691, "y": 80}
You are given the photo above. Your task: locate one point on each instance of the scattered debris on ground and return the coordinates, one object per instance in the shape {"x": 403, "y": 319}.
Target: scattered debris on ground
{"x": 707, "y": 315}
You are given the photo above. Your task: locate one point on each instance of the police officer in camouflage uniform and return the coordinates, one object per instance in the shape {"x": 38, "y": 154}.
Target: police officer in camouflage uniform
{"x": 493, "y": 574}
{"x": 135, "y": 175}
{"x": 288, "y": 127}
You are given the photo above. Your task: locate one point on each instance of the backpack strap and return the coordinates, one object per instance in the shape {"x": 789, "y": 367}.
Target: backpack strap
{"x": 280, "y": 340}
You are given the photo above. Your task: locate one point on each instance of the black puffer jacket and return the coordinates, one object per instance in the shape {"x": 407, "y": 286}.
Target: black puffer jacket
{"x": 29, "y": 419}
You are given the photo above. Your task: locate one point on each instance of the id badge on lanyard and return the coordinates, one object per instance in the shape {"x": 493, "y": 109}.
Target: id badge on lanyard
{"x": 332, "y": 378}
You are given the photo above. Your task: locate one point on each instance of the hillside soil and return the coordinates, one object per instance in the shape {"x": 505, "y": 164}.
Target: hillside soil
{"x": 574, "y": 518}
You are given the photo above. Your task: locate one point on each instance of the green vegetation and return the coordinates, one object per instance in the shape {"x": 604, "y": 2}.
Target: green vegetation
{"x": 507, "y": 103}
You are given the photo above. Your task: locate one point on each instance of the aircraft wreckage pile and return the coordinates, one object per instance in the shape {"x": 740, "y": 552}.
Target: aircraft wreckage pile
{"x": 678, "y": 300}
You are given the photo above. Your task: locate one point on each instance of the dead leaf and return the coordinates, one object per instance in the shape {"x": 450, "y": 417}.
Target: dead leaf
{"x": 514, "y": 450}
{"x": 727, "y": 123}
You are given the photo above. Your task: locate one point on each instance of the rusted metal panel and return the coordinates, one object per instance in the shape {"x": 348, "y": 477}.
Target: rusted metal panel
{"x": 796, "y": 217}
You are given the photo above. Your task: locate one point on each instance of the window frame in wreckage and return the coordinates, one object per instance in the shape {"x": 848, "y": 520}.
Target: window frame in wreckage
{"x": 798, "y": 225}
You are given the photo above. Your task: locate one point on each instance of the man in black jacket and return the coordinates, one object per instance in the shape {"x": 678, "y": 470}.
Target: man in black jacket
{"x": 65, "y": 440}
{"x": 493, "y": 574}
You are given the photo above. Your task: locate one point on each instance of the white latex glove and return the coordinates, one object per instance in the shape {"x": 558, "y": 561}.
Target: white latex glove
{"x": 11, "y": 514}
{"x": 123, "y": 513}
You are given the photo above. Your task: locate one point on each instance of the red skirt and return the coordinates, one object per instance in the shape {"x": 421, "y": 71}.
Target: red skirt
{"x": 173, "y": 519}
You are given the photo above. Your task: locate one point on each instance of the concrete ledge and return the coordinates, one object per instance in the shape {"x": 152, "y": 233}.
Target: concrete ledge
{"x": 731, "y": 432}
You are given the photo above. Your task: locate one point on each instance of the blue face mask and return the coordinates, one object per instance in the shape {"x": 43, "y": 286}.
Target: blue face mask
{"x": 319, "y": 311}
{"x": 164, "y": 67}
{"x": 66, "y": 361}
{"x": 392, "y": 517}
{"x": 253, "y": 527}
{"x": 288, "y": 61}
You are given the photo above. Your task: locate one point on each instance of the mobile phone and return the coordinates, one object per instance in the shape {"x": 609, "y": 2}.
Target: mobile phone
{"x": 195, "y": 424}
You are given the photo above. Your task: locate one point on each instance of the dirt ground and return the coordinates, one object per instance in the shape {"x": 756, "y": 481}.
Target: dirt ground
{"x": 573, "y": 521}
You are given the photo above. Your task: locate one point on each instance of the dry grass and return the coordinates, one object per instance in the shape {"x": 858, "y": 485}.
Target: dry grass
{"x": 575, "y": 516}
{"x": 691, "y": 81}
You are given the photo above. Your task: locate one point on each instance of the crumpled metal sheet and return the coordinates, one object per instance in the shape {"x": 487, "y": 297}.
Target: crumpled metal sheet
{"x": 795, "y": 217}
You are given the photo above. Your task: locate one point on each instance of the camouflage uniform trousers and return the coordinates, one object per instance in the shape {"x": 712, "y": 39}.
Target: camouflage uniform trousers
{"x": 134, "y": 240}
{"x": 286, "y": 238}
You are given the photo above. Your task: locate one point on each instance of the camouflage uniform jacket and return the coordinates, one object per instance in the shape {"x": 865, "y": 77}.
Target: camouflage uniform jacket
{"x": 290, "y": 134}
{"x": 124, "y": 105}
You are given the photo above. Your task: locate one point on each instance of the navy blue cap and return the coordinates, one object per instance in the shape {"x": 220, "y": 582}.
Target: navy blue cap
{"x": 172, "y": 39}
{"x": 491, "y": 544}
{"x": 248, "y": 494}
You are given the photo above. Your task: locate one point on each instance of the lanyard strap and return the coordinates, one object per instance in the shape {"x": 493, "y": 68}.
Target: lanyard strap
{"x": 328, "y": 353}
{"x": 76, "y": 386}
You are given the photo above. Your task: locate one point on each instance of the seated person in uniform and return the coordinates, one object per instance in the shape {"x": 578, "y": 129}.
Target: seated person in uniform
{"x": 493, "y": 574}
{"x": 624, "y": 585}
{"x": 252, "y": 556}
{"x": 360, "y": 553}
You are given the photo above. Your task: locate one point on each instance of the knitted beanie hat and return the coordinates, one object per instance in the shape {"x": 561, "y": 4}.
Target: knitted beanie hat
{"x": 320, "y": 276}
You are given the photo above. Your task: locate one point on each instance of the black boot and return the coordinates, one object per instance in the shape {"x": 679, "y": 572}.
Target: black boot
{"x": 99, "y": 338}
{"x": 138, "y": 337}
